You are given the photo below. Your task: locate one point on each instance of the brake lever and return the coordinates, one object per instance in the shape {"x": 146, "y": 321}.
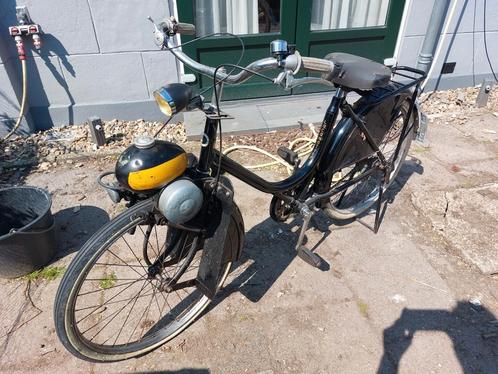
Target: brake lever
{"x": 287, "y": 80}
{"x": 160, "y": 36}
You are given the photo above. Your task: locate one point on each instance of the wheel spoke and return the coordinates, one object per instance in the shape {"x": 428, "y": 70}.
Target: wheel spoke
{"x": 112, "y": 302}
{"x": 120, "y": 311}
{"x": 112, "y": 298}
{"x": 108, "y": 288}
{"x": 112, "y": 316}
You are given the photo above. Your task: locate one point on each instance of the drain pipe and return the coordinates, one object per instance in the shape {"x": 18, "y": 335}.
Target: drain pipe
{"x": 432, "y": 35}
{"x": 440, "y": 46}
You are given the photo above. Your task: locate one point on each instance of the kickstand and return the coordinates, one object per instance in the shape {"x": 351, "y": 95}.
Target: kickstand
{"x": 379, "y": 208}
{"x": 304, "y": 253}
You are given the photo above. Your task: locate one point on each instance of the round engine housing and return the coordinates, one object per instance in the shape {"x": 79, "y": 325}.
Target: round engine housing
{"x": 180, "y": 201}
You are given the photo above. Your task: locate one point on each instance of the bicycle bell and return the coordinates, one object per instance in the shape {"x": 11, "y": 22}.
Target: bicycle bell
{"x": 150, "y": 164}
{"x": 279, "y": 49}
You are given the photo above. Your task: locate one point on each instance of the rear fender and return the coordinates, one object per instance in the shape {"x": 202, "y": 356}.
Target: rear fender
{"x": 348, "y": 144}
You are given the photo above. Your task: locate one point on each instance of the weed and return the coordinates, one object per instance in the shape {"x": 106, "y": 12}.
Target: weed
{"x": 108, "y": 280}
{"x": 49, "y": 273}
{"x": 420, "y": 149}
{"x": 362, "y": 307}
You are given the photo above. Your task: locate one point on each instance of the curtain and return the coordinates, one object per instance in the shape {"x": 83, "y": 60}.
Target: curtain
{"x": 235, "y": 16}
{"x": 347, "y": 14}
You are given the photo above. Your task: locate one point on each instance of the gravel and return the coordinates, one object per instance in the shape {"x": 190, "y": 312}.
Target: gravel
{"x": 45, "y": 149}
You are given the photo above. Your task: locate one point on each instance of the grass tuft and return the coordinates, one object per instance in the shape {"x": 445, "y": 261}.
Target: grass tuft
{"x": 362, "y": 307}
{"x": 108, "y": 280}
{"x": 49, "y": 273}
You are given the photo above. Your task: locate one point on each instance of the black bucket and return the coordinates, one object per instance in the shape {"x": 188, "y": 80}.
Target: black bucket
{"x": 27, "y": 232}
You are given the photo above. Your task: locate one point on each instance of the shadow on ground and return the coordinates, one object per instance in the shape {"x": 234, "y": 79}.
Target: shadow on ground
{"x": 17, "y": 160}
{"x": 472, "y": 330}
{"x": 266, "y": 264}
{"x": 75, "y": 225}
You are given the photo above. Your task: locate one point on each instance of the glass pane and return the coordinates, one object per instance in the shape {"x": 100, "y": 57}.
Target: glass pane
{"x": 237, "y": 17}
{"x": 348, "y": 14}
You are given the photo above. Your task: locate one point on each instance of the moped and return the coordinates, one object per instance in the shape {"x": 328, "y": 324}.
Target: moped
{"x": 152, "y": 270}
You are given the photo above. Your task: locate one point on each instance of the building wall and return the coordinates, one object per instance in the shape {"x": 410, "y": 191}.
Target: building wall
{"x": 98, "y": 58}
{"x": 464, "y": 43}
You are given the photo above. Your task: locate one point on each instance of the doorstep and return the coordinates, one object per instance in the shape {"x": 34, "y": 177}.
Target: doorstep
{"x": 266, "y": 114}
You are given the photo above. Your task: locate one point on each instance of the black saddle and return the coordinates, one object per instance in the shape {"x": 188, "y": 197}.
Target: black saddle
{"x": 357, "y": 73}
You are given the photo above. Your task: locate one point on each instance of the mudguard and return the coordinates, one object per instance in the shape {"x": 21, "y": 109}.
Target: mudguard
{"x": 348, "y": 146}
{"x": 224, "y": 216}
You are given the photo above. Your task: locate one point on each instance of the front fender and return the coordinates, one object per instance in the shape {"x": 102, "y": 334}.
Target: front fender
{"x": 224, "y": 241}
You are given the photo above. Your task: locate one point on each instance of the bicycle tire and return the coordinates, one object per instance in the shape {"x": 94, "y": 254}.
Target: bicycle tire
{"x": 68, "y": 292}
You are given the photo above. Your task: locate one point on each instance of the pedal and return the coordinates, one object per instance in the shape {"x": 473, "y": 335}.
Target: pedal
{"x": 309, "y": 257}
{"x": 288, "y": 156}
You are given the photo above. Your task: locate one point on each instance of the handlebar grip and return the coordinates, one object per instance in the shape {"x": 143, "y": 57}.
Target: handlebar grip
{"x": 317, "y": 64}
{"x": 185, "y": 28}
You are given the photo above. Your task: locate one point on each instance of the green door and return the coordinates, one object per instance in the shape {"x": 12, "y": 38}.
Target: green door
{"x": 367, "y": 28}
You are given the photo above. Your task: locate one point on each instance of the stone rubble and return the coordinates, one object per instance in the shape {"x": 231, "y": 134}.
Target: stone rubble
{"x": 45, "y": 147}
{"x": 63, "y": 143}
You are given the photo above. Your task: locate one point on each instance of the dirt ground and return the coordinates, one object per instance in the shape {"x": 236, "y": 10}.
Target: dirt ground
{"x": 421, "y": 296}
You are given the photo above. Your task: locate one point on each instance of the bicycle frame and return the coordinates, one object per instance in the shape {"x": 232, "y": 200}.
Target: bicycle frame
{"x": 323, "y": 161}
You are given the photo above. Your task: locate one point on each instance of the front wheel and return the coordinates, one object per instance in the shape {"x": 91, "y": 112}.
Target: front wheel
{"x": 113, "y": 304}
{"x": 361, "y": 196}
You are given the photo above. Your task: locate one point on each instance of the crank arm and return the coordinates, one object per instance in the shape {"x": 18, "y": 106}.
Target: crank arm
{"x": 304, "y": 253}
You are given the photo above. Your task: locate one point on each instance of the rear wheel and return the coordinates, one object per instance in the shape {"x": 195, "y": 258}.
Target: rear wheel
{"x": 112, "y": 304}
{"x": 361, "y": 196}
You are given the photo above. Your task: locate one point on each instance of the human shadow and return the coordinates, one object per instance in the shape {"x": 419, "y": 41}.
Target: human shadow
{"x": 75, "y": 225}
{"x": 472, "y": 330}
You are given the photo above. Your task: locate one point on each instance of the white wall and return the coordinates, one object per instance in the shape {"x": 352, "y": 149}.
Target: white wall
{"x": 464, "y": 43}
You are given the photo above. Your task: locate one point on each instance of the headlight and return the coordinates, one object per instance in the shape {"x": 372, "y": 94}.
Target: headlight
{"x": 173, "y": 98}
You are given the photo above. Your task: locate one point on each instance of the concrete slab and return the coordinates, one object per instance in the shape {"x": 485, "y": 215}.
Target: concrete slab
{"x": 468, "y": 218}
{"x": 276, "y": 113}
{"x": 397, "y": 301}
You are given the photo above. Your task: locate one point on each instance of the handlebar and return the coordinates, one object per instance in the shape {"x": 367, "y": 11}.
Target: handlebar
{"x": 319, "y": 65}
{"x": 294, "y": 62}
{"x": 185, "y": 28}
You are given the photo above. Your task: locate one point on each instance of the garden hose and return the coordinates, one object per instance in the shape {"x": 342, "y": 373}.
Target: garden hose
{"x": 23, "y": 102}
{"x": 302, "y": 151}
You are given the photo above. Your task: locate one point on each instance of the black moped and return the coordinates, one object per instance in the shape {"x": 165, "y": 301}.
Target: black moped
{"x": 152, "y": 270}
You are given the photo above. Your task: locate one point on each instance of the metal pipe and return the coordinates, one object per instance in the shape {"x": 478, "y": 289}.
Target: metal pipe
{"x": 441, "y": 42}
{"x": 432, "y": 34}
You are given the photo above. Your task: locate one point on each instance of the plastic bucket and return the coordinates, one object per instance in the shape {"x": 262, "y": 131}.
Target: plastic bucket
{"x": 27, "y": 230}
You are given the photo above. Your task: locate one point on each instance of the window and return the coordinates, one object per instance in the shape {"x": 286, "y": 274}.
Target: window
{"x": 348, "y": 14}
{"x": 237, "y": 17}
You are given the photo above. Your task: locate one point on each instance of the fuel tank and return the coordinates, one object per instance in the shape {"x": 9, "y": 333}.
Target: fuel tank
{"x": 150, "y": 164}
